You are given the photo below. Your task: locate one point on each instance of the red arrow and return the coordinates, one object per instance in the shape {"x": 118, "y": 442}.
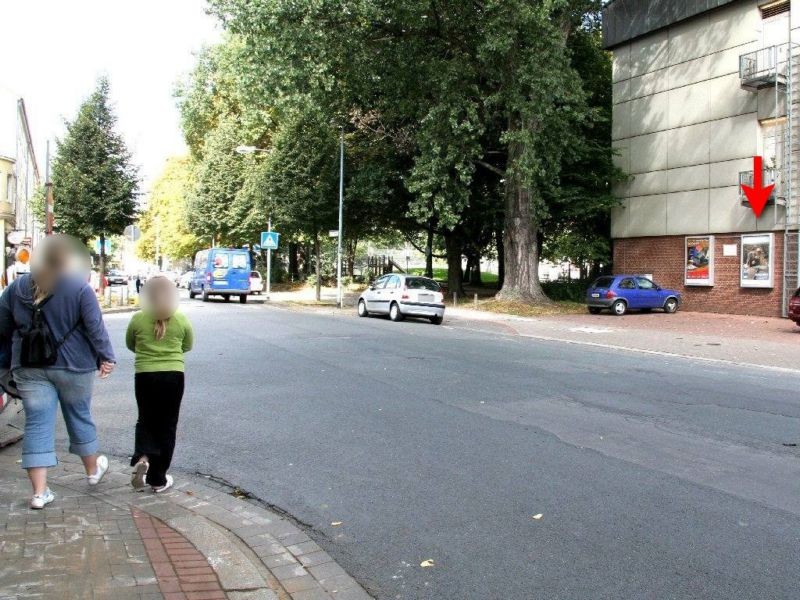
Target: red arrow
{"x": 758, "y": 195}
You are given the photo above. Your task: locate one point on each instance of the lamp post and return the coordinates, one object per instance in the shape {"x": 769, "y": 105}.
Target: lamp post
{"x": 339, "y": 297}
{"x": 253, "y": 150}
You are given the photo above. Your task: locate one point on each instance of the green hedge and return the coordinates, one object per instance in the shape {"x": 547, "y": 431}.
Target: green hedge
{"x": 574, "y": 291}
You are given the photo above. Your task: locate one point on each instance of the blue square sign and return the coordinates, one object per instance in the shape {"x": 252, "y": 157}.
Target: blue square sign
{"x": 269, "y": 240}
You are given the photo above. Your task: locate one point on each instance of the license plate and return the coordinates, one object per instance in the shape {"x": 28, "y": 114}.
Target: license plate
{"x": 425, "y": 298}
{"x": 595, "y": 295}
{"x": 221, "y": 282}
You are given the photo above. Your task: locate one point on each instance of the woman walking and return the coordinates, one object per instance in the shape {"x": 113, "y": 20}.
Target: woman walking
{"x": 58, "y": 340}
{"x": 159, "y": 336}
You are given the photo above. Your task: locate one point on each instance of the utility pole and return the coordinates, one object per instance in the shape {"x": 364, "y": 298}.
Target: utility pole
{"x": 50, "y": 218}
{"x": 339, "y": 298}
{"x": 269, "y": 260}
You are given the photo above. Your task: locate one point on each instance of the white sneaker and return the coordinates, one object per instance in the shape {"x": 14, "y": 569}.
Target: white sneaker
{"x": 102, "y": 467}
{"x": 39, "y": 501}
{"x": 164, "y": 487}
{"x": 139, "y": 475}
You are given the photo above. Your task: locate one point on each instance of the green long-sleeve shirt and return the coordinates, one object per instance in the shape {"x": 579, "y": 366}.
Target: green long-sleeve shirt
{"x": 165, "y": 354}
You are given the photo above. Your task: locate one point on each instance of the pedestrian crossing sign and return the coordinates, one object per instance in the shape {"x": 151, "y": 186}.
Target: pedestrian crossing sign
{"x": 269, "y": 240}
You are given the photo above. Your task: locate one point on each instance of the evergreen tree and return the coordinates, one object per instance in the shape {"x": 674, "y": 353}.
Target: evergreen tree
{"x": 94, "y": 180}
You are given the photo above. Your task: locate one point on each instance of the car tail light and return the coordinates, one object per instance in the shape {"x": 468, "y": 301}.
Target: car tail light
{"x": 611, "y": 294}
{"x": 208, "y": 277}
{"x": 404, "y": 297}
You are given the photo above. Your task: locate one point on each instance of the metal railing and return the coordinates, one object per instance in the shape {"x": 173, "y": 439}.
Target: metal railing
{"x": 762, "y": 68}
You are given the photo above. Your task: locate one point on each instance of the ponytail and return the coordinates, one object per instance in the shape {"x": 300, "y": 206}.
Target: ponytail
{"x": 160, "y": 329}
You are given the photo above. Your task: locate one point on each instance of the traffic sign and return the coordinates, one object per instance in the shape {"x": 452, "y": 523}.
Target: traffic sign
{"x": 107, "y": 246}
{"x": 333, "y": 233}
{"x": 269, "y": 240}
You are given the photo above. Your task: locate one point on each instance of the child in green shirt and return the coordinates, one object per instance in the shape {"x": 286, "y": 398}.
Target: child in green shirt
{"x": 159, "y": 336}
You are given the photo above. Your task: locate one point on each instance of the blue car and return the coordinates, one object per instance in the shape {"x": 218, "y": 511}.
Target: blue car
{"x": 620, "y": 293}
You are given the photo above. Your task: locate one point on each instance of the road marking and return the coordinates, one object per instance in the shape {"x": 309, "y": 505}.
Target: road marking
{"x": 718, "y": 361}
{"x": 591, "y": 330}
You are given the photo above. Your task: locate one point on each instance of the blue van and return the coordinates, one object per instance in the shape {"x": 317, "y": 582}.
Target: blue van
{"x": 221, "y": 272}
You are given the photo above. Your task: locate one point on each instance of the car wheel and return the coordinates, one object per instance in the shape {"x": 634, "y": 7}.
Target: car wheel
{"x": 619, "y": 308}
{"x": 594, "y": 310}
{"x": 670, "y": 306}
{"x": 205, "y": 296}
{"x": 191, "y": 295}
{"x": 437, "y": 320}
{"x": 362, "y": 309}
{"x": 394, "y": 312}
{"x": 243, "y": 299}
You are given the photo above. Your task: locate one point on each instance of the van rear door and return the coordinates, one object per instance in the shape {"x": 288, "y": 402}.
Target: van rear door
{"x": 239, "y": 271}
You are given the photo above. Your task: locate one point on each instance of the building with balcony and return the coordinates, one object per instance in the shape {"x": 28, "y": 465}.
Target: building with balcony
{"x": 20, "y": 181}
{"x": 701, "y": 87}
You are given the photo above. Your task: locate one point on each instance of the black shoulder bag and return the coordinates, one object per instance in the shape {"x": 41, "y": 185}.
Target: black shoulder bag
{"x": 39, "y": 347}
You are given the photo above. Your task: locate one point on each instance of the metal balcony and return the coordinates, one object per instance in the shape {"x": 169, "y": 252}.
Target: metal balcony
{"x": 762, "y": 68}
{"x": 770, "y": 178}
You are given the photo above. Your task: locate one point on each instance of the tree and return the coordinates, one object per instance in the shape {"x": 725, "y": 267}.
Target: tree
{"x": 164, "y": 222}
{"x": 94, "y": 180}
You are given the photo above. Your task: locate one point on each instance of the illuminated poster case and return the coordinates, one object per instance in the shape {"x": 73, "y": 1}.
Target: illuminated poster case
{"x": 757, "y": 268}
{"x": 698, "y": 268}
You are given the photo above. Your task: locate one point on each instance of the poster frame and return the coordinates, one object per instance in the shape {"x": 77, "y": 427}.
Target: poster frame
{"x": 752, "y": 283}
{"x": 706, "y": 282}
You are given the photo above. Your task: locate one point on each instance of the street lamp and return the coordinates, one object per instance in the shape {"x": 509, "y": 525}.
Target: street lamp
{"x": 339, "y": 297}
{"x": 249, "y": 150}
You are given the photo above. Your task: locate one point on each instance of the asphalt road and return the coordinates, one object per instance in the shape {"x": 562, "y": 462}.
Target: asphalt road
{"x": 655, "y": 477}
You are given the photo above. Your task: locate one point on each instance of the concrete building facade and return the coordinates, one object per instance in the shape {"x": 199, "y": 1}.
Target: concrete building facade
{"x": 701, "y": 87}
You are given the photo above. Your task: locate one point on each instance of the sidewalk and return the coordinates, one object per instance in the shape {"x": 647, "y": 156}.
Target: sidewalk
{"x": 198, "y": 542}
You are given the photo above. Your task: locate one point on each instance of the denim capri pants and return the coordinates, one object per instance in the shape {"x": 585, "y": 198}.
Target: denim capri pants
{"x": 42, "y": 391}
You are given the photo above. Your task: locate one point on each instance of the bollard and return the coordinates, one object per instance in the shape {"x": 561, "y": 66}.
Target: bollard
{"x": 455, "y": 299}
{"x": 476, "y": 301}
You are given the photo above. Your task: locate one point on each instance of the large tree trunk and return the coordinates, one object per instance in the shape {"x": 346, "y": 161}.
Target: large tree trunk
{"x": 501, "y": 259}
{"x": 455, "y": 277}
{"x": 475, "y": 271}
{"x": 429, "y": 253}
{"x": 318, "y": 263}
{"x": 521, "y": 248}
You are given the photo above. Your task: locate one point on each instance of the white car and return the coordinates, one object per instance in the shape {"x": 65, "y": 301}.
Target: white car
{"x": 256, "y": 283}
{"x": 186, "y": 279}
{"x": 401, "y": 296}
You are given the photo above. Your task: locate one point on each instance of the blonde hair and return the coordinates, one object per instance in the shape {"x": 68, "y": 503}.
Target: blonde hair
{"x": 160, "y": 299}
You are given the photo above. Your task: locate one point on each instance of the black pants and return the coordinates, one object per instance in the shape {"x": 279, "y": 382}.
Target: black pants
{"x": 158, "y": 396}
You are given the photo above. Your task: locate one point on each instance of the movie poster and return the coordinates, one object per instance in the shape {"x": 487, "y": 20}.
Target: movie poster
{"x": 757, "y": 260}
{"x": 699, "y": 265}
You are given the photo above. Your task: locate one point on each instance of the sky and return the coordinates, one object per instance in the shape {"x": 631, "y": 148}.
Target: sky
{"x": 53, "y": 51}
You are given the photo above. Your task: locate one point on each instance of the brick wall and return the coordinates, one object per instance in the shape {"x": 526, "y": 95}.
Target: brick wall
{"x": 664, "y": 258}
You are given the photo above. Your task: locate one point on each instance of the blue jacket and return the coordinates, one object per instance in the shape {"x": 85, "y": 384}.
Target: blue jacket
{"x": 73, "y": 302}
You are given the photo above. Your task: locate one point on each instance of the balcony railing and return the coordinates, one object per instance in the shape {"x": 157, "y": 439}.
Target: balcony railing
{"x": 770, "y": 177}
{"x": 762, "y": 68}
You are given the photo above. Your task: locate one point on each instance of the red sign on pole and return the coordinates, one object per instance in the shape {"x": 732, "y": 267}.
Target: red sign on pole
{"x": 758, "y": 195}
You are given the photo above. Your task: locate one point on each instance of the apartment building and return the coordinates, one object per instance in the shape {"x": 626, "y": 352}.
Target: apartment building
{"x": 700, "y": 88}
{"x": 19, "y": 182}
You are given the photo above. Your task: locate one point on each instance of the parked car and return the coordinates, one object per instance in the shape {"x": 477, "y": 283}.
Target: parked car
{"x": 186, "y": 280}
{"x": 620, "y": 293}
{"x": 256, "y": 282}
{"x": 221, "y": 272}
{"x": 401, "y": 296}
{"x": 794, "y": 307}
{"x": 116, "y": 277}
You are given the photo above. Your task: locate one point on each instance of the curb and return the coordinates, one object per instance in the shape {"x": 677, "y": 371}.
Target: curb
{"x": 253, "y": 550}
{"x": 120, "y": 310}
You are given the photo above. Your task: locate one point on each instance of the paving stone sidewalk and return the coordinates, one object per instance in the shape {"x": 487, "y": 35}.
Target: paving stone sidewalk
{"x": 196, "y": 542}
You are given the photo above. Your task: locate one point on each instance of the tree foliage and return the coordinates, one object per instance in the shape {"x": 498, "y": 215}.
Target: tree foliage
{"x": 94, "y": 180}
{"x": 164, "y": 223}
{"x": 483, "y": 124}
